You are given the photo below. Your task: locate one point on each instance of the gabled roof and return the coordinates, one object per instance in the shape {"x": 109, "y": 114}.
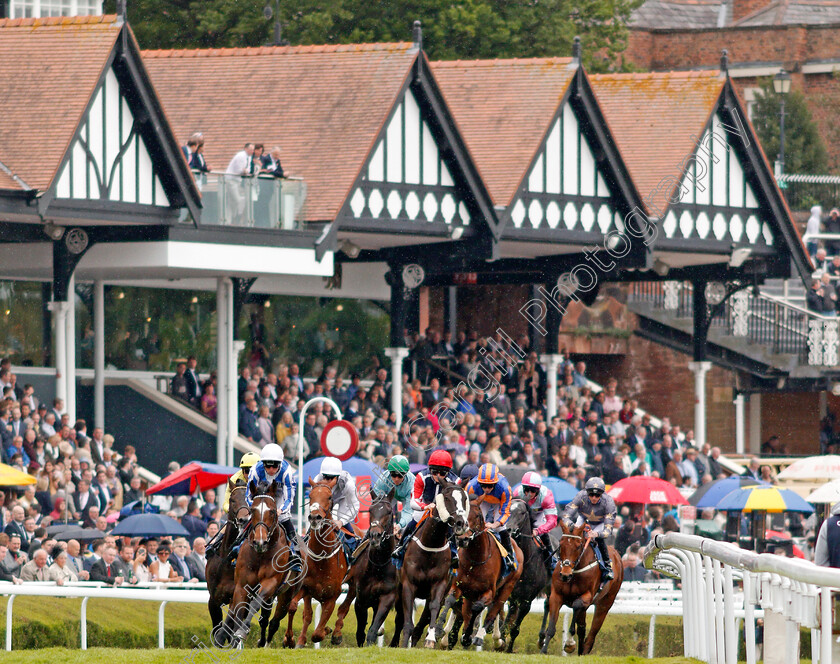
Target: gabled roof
{"x": 323, "y": 105}
{"x": 503, "y": 109}
{"x": 706, "y": 14}
{"x": 49, "y": 68}
{"x": 653, "y": 118}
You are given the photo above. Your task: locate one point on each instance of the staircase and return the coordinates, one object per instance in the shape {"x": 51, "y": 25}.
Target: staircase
{"x": 767, "y": 334}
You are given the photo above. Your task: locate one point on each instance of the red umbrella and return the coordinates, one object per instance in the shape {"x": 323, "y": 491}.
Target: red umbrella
{"x": 196, "y": 475}
{"x": 647, "y": 491}
{"x": 774, "y": 534}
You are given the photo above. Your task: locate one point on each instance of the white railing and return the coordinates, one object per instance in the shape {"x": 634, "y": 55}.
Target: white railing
{"x": 796, "y": 591}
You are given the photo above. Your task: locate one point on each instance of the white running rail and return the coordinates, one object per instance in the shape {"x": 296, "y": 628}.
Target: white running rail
{"x": 797, "y": 590}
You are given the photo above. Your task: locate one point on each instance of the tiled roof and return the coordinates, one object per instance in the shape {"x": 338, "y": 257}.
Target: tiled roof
{"x": 48, "y": 70}
{"x": 8, "y": 182}
{"x": 669, "y": 14}
{"x": 323, "y": 105}
{"x": 653, "y": 118}
{"x": 503, "y": 109}
{"x": 785, "y": 12}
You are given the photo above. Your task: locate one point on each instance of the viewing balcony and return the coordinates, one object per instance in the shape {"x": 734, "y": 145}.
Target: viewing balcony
{"x": 251, "y": 202}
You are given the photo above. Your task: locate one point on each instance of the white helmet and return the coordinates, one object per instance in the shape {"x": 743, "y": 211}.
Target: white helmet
{"x": 272, "y": 452}
{"x": 331, "y": 466}
{"x": 532, "y": 479}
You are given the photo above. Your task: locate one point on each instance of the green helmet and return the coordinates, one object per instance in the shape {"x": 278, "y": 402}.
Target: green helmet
{"x": 398, "y": 464}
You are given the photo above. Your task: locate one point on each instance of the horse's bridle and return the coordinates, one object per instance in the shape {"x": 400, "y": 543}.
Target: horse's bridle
{"x": 241, "y": 487}
{"x": 271, "y": 530}
{"x": 568, "y": 562}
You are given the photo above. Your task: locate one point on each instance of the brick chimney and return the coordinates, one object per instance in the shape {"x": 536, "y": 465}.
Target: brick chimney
{"x": 742, "y": 8}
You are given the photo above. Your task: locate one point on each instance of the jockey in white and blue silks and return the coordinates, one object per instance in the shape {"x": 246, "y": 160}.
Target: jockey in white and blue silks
{"x": 345, "y": 500}
{"x": 272, "y": 467}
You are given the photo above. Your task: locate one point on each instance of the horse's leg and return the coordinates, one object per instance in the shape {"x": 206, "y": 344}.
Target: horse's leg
{"x": 399, "y": 620}
{"x": 417, "y": 632}
{"x": 361, "y": 612}
{"x": 307, "y": 620}
{"x": 544, "y": 620}
{"x": 468, "y": 617}
{"x": 327, "y": 609}
{"x": 216, "y": 617}
{"x": 343, "y": 610}
{"x": 553, "y": 610}
{"x": 385, "y": 604}
{"x": 581, "y": 618}
{"x": 443, "y": 630}
{"x": 289, "y": 638}
{"x": 408, "y": 612}
{"x": 434, "y": 604}
{"x": 265, "y": 617}
{"x": 516, "y": 614}
{"x": 486, "y": 626}
{"x": 456, "y": 625}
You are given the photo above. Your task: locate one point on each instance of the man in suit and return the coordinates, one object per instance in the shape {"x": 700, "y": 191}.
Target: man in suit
{"x": 192, "y": 521}
{"x": 433, "y": 395}
{"x": 97, "y": 445}
{"x": 15, "y": 526}
{"x": 193, "y": 381}
{"x": 57, "y": 410}
{"x": 75, "y": 561}
{"x": 37, "y": 568}
{"x": 105, "y": 570}
{"x": 15, "y": 558}
{"x": 124, "y": 564}
{"x": 97, "y": 546}
{"x": 753, "y": 471}
{"x": 84, "y": 499}
{"x": 180, "y": 551}
{"x": 7, "y": 570}
{"x": 17, "y": 424}
{"x": 197, "y": 560}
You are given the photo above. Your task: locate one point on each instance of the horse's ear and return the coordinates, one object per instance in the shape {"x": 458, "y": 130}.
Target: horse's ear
{"x": 252, "y": 487}
{"x": 477, "y": 501}
{"x": 229, "y": 484}
{"x": 564, "y": 527}
{"x": 310, "y": 481}
{"x": 579, "y": 530}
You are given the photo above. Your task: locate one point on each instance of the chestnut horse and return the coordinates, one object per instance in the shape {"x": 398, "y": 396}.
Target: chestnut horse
{"x": 425, "y": 569}
{"x": 479, "y": 581}
{"x": 577, "y": 583}
{"x": 262, "y": 566}
{"x": 325, "y": 566}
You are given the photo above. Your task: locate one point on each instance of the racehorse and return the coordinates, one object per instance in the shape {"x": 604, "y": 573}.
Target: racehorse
{"x": 262, "y": 567}
{"x": 535, "y": 577}
{"x": 479, "y": 581}
{"x": 374, "y": 576}
{"x": 218, "y": 571}
{"x": 577, "y": 583}
{"x": 325, "y": 566}
{"x": 425, "y": 569}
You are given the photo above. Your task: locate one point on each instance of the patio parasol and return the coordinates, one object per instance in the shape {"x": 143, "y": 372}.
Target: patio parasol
{"x": 647, "y": 491}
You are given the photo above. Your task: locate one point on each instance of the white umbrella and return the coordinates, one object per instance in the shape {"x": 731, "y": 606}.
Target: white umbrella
{"x": 828, "y": 493}
{"x": 825, "y": 467}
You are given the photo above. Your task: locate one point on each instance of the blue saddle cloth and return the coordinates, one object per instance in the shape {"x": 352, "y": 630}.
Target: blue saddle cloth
{"x": 599, "y": 558}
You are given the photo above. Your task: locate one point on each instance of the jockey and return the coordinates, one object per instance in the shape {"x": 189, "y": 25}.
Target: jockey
{"x": 467, "y": 473}
{"x": 426, "y": 488}
{"x": 399, "y": 478}
{"x": 495, "y": 507}
{"x": 598, "y": 512}
{"x": 541, "y": 501}
{"x": 245, "y": 464}
{"x": 272, "y": 467}
{"x": 344, "y": 499}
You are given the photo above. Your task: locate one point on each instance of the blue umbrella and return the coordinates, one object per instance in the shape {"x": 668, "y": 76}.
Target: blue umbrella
{"x": 137, "y": 507}
{"x": 147, "y": 525}
{"x": 709, "y": 495}
{"x": 563, "y": 491}
{"x": 356, "y": 466}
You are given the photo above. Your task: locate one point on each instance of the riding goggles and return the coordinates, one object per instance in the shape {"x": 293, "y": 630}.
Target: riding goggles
{"x": 396, "y": 475}
{"x": 329, "y": 477}
{"x": 594, "y": 492}
{"x": 438, "y": 471}
{"x": 271, "y": 464}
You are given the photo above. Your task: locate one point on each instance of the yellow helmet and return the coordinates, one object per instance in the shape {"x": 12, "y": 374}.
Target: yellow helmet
{"x": 248, "y": 459}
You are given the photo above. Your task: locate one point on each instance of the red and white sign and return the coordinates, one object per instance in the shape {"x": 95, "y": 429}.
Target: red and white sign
{"x": 465, "y": 278}
{"x": 339, "y": 439}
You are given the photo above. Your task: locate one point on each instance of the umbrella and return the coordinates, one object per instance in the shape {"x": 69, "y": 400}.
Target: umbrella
{"x": 710, "y": 494}
{"x": 10, "y": 476}
{"x": 763, "y": 499}
{"x": 647, "y": 491}
{"x": 563, "y": 491}
{"x": 60, "y": 527}
{"x": 775, "y": 535}
{"x": 825, "y": 467}
{"x": 827, "y": 493}
{"x": 195, "y": 476}
{"x": 138, "y": 507}
{"x": 148, "y": 525}
{"x": 79, "y": 533}
{"x": 417, "y": 467}
{"x": 356, "y": 466}
{"x": 708, "y": 528}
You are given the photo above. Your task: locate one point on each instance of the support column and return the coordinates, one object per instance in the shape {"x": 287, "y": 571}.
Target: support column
{"x": 70, "y": 354}
{"x": 236, "y": 347}
{"x": 46, "y": 324}
{"x": 700, "y": 370}
{"x": 99, "y": 354}
{"x": 755, "y": 423}
{"x": 739, "y": 424}
{"x": 59, "y": 311}
{"x": 551, "y": 362}
{"x": 450, "y": 310}
{"x": 222, "y": 326}
{"x": 397, "y": 356}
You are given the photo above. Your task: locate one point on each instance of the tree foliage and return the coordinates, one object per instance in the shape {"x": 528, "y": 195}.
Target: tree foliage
{"x": 804, "y": 148}
{"x": 465, "y": 29}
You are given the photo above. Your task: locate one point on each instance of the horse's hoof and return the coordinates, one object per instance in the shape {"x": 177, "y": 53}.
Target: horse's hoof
{"x": 444, "y": 642}
{"x": 569, "y": 647}
{"x": 336, "y": 639}
{"x": 317, "y": 638}
{"x": 477, "y": 642}
{"x": 429, "y": 644}
{"x": 261, "y": 644}
{"x": 541, "y": 641}
{"x": 500, "y": 645}
{"x": 465, "y": 640}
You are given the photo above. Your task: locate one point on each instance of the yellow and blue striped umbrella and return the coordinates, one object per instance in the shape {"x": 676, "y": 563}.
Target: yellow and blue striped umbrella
{"x": 11, "y": 476}
{"x": 763, "y": 499}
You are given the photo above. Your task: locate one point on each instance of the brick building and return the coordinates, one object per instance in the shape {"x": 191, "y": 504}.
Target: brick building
{"x": 762, "y": 37}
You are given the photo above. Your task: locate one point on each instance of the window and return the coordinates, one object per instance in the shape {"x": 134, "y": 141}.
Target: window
{"x": 41, "y": 8}
{"x": 750, "y": 97}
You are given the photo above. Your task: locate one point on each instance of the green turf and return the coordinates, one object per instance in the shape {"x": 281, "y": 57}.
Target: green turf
{"x": 339, "y": 655}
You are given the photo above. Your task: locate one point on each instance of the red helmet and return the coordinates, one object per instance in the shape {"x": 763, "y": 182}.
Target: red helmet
{"x": 441, "y": 459}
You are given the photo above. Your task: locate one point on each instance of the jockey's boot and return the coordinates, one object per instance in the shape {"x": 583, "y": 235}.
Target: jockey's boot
{"x": 510, "y": 559}
{"x": 405, "y": 538}
{"x": 548, "y": 555}
{"x": 294, "y": 559}
{"x": 605, "y": 555}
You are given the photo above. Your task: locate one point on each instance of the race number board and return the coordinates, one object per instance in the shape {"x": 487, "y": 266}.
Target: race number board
{"x": 339, "y": 439}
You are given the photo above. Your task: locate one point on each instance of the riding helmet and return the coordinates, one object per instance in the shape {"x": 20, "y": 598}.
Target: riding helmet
{"x": 272, "y": 452}
{"x": 331, "y": 466}
{"x": 398, "y": 464}
{"x": 532, "y": 479}
{"x": 594, "y": 484}
{"x": 248, "y": 459}
{"x": 467, "y": 473}
{"x": 441, "y": 459}
{"x": 488, "y": 474}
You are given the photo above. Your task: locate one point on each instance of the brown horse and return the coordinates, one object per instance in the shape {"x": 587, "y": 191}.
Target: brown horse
{"x": 425, "y": 569}
{"x": 218, "y": 571}
{"x": 577, "y": 583}
{"x": 262, "y": 566}
{"x": 325, "y": 566}
{"x": 479, "y": 581}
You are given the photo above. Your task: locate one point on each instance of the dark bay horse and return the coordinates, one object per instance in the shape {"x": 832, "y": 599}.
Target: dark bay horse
{"x": 425, "y": 569}
{"x": 535, "y": 576}
{"x": 325, "y": 566}
{"x": 479, "y": 581}
{"x": 577, "y": 583}
{"x": 262, "y": 567}
{"x": 219, "y": 571}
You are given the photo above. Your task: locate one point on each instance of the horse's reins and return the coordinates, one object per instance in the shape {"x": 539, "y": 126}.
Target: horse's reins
{"x": 387, "y": 533}
{"x": 271, "y": 530}
{"x": 317, "y": 529}
{"x": 575, "y": 570}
